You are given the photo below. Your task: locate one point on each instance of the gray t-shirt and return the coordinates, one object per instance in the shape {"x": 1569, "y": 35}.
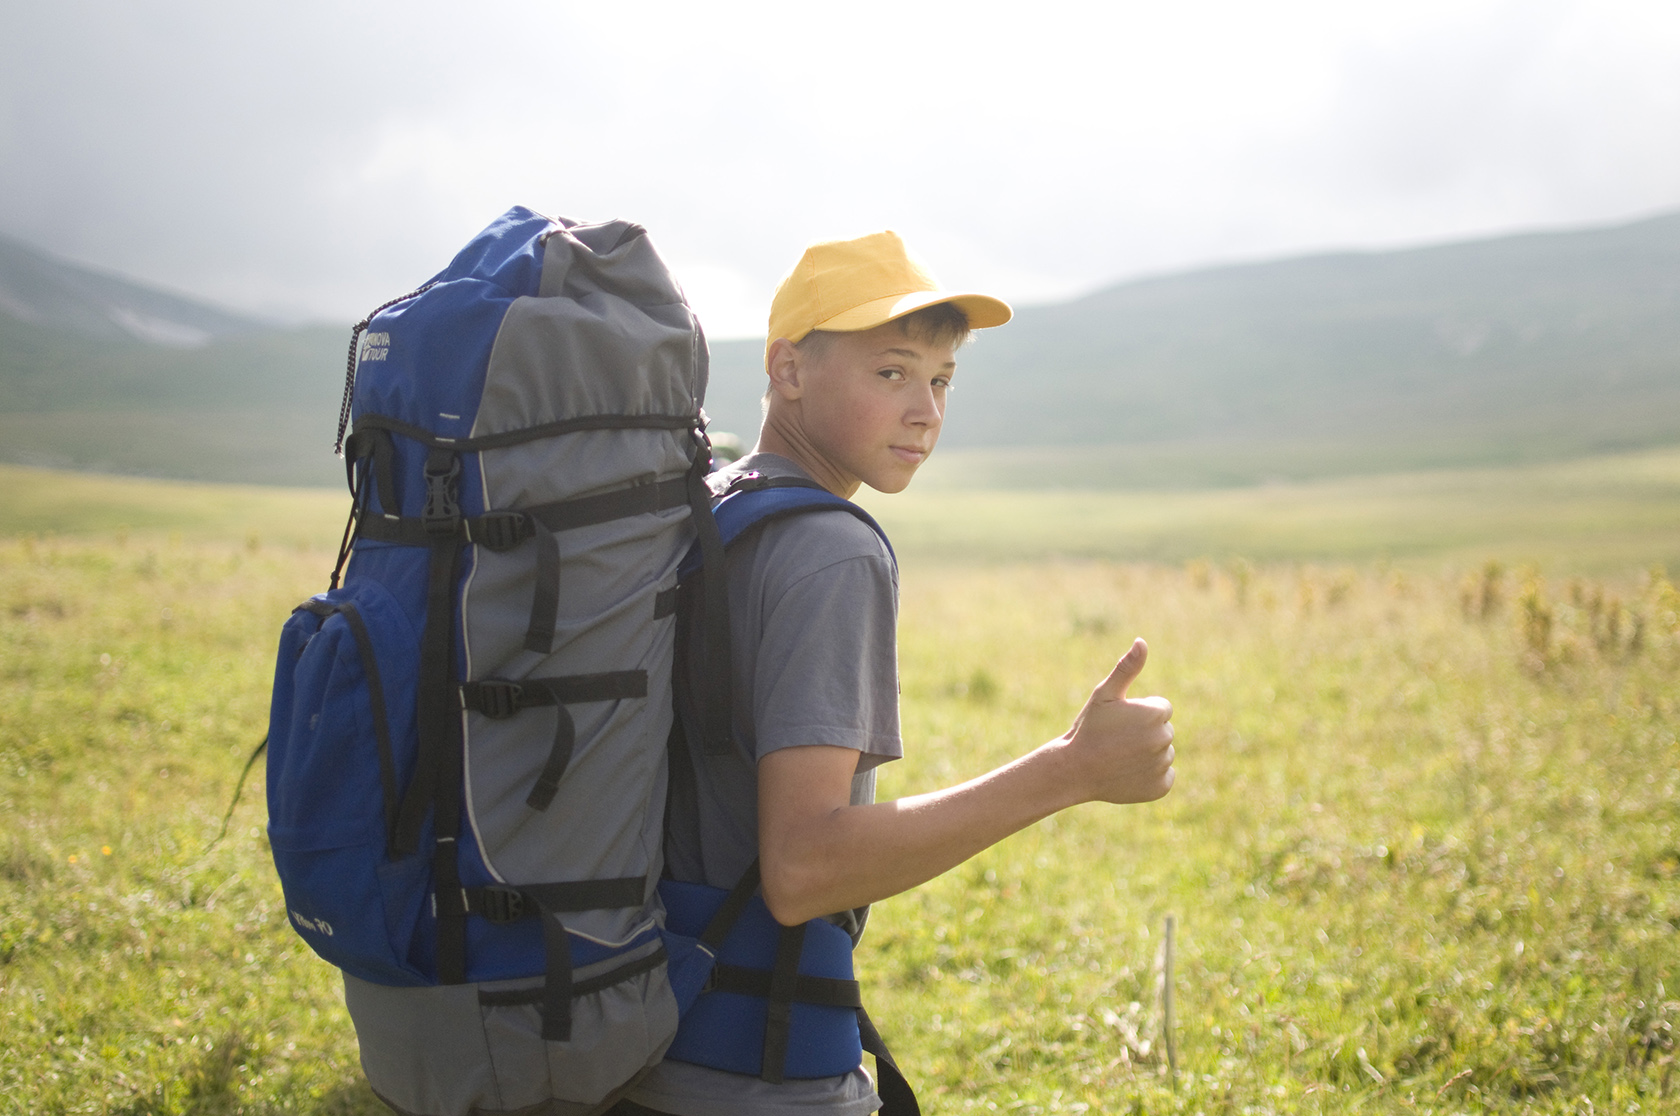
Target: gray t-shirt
{"x": 813, "y": 617}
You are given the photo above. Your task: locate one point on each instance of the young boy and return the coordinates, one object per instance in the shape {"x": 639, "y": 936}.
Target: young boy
{"x": 861, "y": 353}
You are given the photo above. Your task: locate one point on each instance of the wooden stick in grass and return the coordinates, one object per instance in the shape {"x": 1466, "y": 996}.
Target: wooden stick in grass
{"x": 1167, "y": 1003}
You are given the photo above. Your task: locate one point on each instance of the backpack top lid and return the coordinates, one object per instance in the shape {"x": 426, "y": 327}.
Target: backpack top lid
{"x": 424, "y": 361}
{"x": 507, "y": 253}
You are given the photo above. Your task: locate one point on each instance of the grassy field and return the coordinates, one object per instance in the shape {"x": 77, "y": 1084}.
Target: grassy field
{"x": 1595, "y": 516}
{"x": 1424, "y": 853}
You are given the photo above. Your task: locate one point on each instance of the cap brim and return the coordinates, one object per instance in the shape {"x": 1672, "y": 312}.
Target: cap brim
{"x": 983, "y": 311}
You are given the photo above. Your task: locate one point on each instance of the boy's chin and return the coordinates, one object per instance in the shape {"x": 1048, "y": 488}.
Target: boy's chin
{"x": 891, "y": 485}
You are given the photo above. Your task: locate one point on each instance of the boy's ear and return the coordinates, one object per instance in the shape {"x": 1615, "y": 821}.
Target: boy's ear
{"x": 782, "y": 364}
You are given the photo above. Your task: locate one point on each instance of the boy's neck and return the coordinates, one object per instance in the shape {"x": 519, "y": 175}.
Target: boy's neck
{"x": 784, "y": 439}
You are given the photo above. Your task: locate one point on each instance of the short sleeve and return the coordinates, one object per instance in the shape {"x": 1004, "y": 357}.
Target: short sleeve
{"x": 827, "y": 665}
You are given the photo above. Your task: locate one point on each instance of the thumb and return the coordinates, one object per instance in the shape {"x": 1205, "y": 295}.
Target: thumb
{"x": 1125, "y": 672}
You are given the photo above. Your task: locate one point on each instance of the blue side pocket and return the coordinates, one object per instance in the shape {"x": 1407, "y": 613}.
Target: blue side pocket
{"x": 725, "y": 1030}
{"x": 340, "y": 748}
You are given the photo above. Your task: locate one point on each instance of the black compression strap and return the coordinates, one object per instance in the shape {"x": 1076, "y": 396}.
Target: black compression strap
{"x": 497, "y": 697}
{"x": 497, "y": 903}
{"x": 562, "y": 515}
{"x": 438, "y": 719}
{"x": 559, "y": 756}
{"x": 545, "y": 598}
{"x": 514, "y": 997}
{"x": 823, "y": 991}
{"x": 529, "y": 434}
{"x": 381, "y": 722}
{"x": 589, "y": 895}
{"x": 384, "y": 471}
{"x": 897, "y": 1098}
{"x": 713, "y": 668}
{"x": 509, "y": 903}
{"x": 665, "y": 603}
{"x": 778, "y": 1018}
{"x": 557, "y": 988}
{"x": 638, "y": 499}
{"x": 723, "y": 920}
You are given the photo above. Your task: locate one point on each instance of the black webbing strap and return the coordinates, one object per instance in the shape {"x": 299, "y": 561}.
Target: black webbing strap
{"x": 438, "y": 775}
{"x": 823, "y": 991}
{"x": 545, "y": 597}
{"x": 778, "y": 1018}
{"x": 589, "y": 895}
{"x": 438, "y": 718}
{"x": 551, "y": 899}
{"x": 712, "y": 698}
{"x": 724, "y": 918}
{"x": 557, "y": 987}
{"x": 637, "y": 499}
{"x": 498, "y": 530}
{"x": 559, "y": 758}
{"x": 503, "y": 439}
{"x": 537, "y": 994}
{"x": 384, "y": 470}
{"x": 502, "y": 530}
{"x": 897, "y": 1098}
{"x": 497, "y": 698}
{"x": 665, "y": 603}
{"x": 501, "y": 903}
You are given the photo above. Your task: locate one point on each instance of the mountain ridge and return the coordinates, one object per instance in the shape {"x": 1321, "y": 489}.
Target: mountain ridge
{"x": 1501, "y": 349}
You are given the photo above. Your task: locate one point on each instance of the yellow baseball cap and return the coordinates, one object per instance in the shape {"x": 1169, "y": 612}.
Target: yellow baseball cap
{"x": 851, "y": 285}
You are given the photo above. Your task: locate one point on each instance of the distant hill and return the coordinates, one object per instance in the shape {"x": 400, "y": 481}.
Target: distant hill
{"x": 100, "y": 372}
{"x": 36, "y": 288}
{"x": 1518, "y": 348}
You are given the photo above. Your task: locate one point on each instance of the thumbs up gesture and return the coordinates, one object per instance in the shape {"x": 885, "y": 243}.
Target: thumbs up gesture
{"x": 1123, "y": 746}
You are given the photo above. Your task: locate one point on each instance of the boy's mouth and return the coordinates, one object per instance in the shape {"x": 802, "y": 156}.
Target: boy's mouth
{"x": 910, "y": 454}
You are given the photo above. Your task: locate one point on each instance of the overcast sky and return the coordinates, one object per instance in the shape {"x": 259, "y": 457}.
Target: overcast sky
{"x": 311, "y": 159}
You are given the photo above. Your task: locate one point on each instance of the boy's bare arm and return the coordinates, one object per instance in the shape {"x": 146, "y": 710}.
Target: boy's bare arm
{"x": 821, "y": 854}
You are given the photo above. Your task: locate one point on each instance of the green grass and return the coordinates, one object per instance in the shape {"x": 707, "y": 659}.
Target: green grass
{"x": 1424, "y": 852}
{"x": 54, "y": 502}
{"x": 1593, "y": 515}
{"x": 1420, "y": 859}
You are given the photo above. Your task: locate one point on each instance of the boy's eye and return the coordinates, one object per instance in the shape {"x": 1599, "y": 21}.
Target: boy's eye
{"x": 942, "y": 382}
{"x": 890, "y": 374}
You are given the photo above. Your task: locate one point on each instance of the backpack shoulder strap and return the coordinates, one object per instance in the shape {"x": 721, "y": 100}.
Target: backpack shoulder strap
{"x": 750, "y": 500}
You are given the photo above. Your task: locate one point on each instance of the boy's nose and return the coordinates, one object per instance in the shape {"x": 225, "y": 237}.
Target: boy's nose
{"x": 925, "y": 411}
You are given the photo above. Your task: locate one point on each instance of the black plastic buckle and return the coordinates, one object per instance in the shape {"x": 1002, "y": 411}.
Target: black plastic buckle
{"x": 501, "y": 530}
{"x": 442, "y": 514}
{"x": 499, "y": 698}
{"x": 501, "y": 904}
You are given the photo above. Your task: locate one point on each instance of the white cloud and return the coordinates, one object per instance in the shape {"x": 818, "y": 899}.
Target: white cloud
{"x": 318, "y": 158}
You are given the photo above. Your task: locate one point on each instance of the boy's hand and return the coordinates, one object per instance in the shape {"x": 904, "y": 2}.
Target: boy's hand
{"x": 1122, "y": 747}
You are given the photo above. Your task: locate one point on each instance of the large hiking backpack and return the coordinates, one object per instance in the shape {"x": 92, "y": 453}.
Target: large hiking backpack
{"x": 467, "y": 747}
